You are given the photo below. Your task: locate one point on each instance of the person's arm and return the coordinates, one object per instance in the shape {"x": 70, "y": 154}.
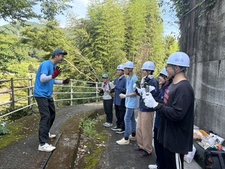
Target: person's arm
{"x": 123, "y": 88}
{"x": 131, "y": 94}
{"x": 44, "y": 78}
{"x": 58, "y": 81}
{"x": 155, "y": 92}
{"x": 177, "y": 110}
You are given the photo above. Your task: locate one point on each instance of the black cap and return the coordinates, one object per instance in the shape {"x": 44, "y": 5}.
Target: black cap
{"x": 58, "y": 52}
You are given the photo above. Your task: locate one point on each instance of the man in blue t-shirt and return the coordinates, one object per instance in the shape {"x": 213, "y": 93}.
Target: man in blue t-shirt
{"x": 131, "y": 102}
{"x": 43, "y": 88}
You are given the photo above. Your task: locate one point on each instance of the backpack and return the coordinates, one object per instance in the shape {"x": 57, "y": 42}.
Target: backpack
{"x": 214, "y": 159}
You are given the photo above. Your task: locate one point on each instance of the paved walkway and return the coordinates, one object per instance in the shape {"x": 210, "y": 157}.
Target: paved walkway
{"x": 124, "y": 157}
{"x": 23, "y": 154}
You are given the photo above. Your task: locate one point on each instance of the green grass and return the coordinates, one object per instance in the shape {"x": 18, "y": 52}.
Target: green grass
{"x": 94, "y": 137}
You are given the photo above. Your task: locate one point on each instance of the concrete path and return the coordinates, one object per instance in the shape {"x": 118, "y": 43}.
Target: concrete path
{"x": 124, "y": 157}
{"x": 23, "y": 154}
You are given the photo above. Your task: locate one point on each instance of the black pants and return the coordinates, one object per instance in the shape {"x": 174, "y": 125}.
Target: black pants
{"x": 47, "y": 111}
{"x": 108, "y": 106}
{"x": 160, "y": 159}
{"x": 120, "y": 113}
{"x": 173, "y": 160}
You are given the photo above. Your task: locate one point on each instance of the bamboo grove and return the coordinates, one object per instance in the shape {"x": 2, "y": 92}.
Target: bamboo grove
{"x": 113, "y": 32}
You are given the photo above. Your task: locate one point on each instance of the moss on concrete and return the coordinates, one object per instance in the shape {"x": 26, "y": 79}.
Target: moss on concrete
{"x": 19, "y": 129}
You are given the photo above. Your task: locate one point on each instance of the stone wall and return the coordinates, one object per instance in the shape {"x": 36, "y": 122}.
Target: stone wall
{"x": 203, "y": 38}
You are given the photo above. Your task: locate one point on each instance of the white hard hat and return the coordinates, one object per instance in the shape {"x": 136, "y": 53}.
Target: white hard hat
{"x": 164, "y": 72}
{"x": 128, "y": 65}
{"x": 120, "y": 67}
{"x": 148, "y": 66}
{"x": 105, "y": 76}
{"x": 179, "y": 59}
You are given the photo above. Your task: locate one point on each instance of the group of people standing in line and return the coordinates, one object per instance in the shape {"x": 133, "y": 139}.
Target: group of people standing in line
{"x": 167, "y": 102}
{"x": 170, "y": 100}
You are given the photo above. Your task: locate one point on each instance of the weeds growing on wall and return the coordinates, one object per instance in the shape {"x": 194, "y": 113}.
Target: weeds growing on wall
{"x": 183, "y": 7}
{"x": 88, "y": 127}
{"x": 3, "y": 129}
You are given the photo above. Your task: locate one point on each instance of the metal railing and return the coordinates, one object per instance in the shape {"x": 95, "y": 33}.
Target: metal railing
{"x": 17, "y": 94}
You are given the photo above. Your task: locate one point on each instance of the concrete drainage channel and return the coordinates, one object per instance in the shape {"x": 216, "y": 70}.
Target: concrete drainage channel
{"x": 67, "y": 142}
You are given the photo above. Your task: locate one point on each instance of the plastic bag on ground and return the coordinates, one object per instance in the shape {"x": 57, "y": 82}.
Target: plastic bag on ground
{"x": 189, "y": 157}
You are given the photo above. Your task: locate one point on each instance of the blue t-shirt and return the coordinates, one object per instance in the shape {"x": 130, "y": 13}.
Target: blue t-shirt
{"x": 131, "y": 102}
{"x": 44, "y": 89}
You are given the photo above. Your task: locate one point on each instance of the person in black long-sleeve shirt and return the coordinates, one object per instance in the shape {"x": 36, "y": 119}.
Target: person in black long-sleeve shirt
{"x": 177, "y": 112}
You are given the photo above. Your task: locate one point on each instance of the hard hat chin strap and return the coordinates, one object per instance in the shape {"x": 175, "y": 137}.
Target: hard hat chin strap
{"x": 130, "y": 70}
{"x": 182, "y": 69}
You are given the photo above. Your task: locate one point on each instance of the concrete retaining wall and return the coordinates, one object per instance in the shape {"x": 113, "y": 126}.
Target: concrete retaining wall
{"x": 203, "y": 38}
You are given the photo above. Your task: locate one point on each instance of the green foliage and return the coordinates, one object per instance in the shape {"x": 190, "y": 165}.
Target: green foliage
{"x": 114, "y": 32}
{"x": 8, "y": 52}
{"x": 171, "y": 46}
{"x": 3, "y": 129}
{"x": 88, "y": 127}
{"x": 47, "y": 38}
{"x": 135, "y": 27}
{"x": 183, "y": 7}
{"x": 21, "y": 10}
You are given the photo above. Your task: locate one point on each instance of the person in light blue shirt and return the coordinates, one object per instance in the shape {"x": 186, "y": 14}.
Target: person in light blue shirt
{"x": 43, "y": 88}
{"x": 131, "y": 103}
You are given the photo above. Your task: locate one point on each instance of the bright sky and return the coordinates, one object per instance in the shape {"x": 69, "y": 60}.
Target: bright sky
{"x": 79, "y": 7}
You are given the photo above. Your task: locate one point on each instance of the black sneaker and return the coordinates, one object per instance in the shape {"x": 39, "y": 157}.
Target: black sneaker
{"x": 138, "y": 149}
{"x": 115, "y": 128}
{"x": 120, "y": 131}
{"x": 144, "y": 154}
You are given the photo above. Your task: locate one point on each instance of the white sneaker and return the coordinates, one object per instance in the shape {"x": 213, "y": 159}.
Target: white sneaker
{"x": 51, "y": 135}
{"x": 132, "y": 138}
{"x": 105, "y": 124}
{"x": 109, "y": 125}
{"x": 46, "y": 147}
{"x": 123, "y": 142}
{"x": 152, "y": 166}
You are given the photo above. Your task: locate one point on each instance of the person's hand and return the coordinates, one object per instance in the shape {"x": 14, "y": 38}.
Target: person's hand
{"x": 140, "y": 90}
{"x": 66, "y": 81}
{"x": 150, "y": 88}
{"x": 56, "y": 72}
{"x": 107, "y": 90}
{"x": 144, "y": 94}
{"x": 122, "y": 96}
{"x": 150, "y": 101}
